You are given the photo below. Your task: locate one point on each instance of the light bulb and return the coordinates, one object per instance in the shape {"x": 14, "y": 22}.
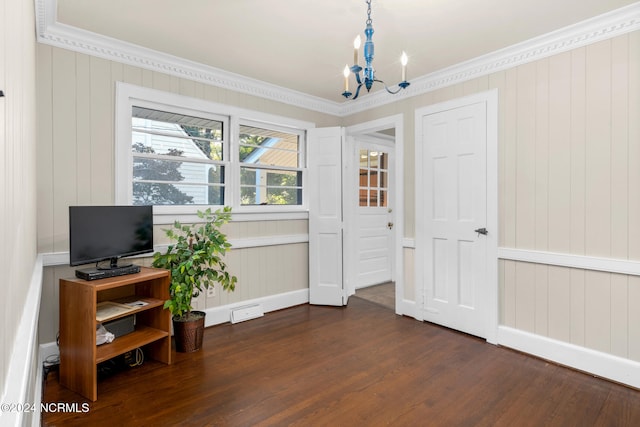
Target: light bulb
{"x": 356, "y": 47}
{"x": 403, "y": 61}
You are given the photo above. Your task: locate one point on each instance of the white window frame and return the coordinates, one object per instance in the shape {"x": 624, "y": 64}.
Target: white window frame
{"x": 128, "y": 95}
{"x": 302, "y": 156}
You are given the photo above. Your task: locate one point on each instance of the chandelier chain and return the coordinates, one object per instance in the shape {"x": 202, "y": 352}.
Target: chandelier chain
{"x": 369, "y": 12}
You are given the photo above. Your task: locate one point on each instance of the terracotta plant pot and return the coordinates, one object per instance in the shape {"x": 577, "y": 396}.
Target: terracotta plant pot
{"x": 188, "y": 332}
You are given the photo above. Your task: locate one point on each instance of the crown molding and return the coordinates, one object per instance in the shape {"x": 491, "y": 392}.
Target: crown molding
{"x": 602, "y": 27}
{"x": 53, "y": 33}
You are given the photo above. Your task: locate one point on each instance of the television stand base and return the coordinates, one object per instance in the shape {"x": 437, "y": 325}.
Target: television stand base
{"x": 95, "y": 274}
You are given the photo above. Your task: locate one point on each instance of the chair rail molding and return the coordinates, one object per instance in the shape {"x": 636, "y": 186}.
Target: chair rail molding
{"x": 584, "y": 262}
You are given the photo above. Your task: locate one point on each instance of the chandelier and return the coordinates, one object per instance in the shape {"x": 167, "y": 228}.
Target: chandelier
{"x": 367, "y": 76}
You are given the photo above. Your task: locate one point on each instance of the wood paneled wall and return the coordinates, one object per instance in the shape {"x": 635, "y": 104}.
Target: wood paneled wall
{"x": 76, "y": 104}
{"x": 570, "y": 156}
{"x": 76, "y": 107}
{"x": 17, "y": 180}
{"x": 569, "y": 182}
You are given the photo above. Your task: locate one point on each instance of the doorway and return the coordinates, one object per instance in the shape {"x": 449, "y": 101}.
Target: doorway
{"x": 334, "y": 194}
{"x": 373, "y": 211}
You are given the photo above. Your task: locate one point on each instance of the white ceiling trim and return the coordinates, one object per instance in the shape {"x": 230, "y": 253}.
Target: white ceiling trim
{"x": 602, "y": 27}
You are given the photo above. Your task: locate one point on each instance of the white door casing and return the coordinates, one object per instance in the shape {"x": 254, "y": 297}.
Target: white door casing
{"x": 456, "y": 194}
{"x": 324, "y": 150}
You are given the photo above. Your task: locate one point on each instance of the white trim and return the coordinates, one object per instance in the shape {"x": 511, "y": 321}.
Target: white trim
{"x": 611, "y": 265}
{"x": 490, "y": 98}
{"x": 22, "y": 385}
{"x": 409, "y": 243}
{"x": 604, "y": 365}
{"x": 409, "y": 308}
{"x": 602, "y": 27}
{"x": 222, "y": 314}
{"x": 62, "y": 258}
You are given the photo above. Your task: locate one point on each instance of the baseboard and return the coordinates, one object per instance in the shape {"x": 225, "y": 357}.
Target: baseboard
{"x": 614, "y": 368}
{"x": 409, "y": 308}
{"x": 222, "y": 314}
{"x": 218, "y": 315}
{"x": 22, "y": 382}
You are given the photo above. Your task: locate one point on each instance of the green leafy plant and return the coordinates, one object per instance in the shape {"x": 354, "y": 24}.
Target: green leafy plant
{"x": 196, "y": 260}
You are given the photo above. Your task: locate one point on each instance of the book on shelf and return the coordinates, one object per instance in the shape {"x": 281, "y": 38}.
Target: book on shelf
{"x": 109, "y": 309}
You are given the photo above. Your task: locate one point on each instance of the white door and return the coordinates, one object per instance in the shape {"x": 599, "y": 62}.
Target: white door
{"x": 375, "y": 216}
{"x": 454, "y": 216}
{"x": 324, "y": 193}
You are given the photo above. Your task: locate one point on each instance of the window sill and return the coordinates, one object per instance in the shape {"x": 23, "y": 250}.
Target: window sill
{"x": 163, "y": 215}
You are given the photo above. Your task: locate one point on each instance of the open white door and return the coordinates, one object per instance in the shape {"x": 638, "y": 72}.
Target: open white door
{"x": 324, "y": 151}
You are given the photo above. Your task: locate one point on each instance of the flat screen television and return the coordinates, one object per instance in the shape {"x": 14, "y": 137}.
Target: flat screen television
{"x": 108, "y": 233}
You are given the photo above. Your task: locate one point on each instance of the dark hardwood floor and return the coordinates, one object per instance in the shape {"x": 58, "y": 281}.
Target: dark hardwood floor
{"x": 361, "y": 365}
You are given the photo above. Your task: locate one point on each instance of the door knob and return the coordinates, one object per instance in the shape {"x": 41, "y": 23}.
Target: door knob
{"x": 482, "y": 231}
{"x": 390, "y": 225}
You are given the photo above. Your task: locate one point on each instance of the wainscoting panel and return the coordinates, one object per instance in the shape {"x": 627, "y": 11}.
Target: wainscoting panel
{"x": 587, "y": 308}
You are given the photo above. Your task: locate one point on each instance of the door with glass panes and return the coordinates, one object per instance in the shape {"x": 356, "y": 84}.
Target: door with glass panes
{"x": 375, "y": 224}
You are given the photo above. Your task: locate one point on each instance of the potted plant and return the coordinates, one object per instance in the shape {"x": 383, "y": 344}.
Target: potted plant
{"x": 195, "y": 262}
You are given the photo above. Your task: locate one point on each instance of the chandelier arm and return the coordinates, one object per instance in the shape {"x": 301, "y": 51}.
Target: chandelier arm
{"x": 358, "y": 80}
{"x": 392, "y": 92}
{"x": 357, "y": 91}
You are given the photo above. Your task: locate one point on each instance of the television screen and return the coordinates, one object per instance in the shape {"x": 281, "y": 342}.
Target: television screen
{"x": 99, "y": 233}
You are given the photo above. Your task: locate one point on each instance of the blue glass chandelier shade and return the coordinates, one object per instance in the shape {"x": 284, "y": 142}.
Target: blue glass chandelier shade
{"x": 367, "y": 76}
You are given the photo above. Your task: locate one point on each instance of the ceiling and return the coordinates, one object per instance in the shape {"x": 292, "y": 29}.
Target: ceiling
{"x": 304, "y": 44}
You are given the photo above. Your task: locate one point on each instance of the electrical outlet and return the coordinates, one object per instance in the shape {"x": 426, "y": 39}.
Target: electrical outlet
{"x": 211, "y": 292}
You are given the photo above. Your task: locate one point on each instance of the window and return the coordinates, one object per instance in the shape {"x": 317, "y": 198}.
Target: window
{"x": 179, "y": 153}
{"x": 374, "y": 178}
{"x": 270, "y": 167}
{"x": 177, "y": 159}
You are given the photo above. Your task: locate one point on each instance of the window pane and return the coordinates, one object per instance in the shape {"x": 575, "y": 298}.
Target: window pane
{"x": 373, "y": 157}
{"x": 176, "y": 171}
{"x": 364, "y": 158}
{"x": 384, "y": 180}
{"x": 373, "y": 198}
{"x": 269, "y": 147}
{"x": 270, "y": 187}
{"x": 154, "y": 121}
{"x": 364, "y": 200}
{"x": 284, "y": 196}
{"x": 159, "y": 193}
{"x": 162, "y": 182}
{"x": 384, "y": 160}
{"x": 383, "y": 198}
{"x": 373, "y": 179}
{"x": 364, "y": 178}
{"x": 159, "y": 132}
{"x": 247, "y": 176}
{"x": 172, "y": 146}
